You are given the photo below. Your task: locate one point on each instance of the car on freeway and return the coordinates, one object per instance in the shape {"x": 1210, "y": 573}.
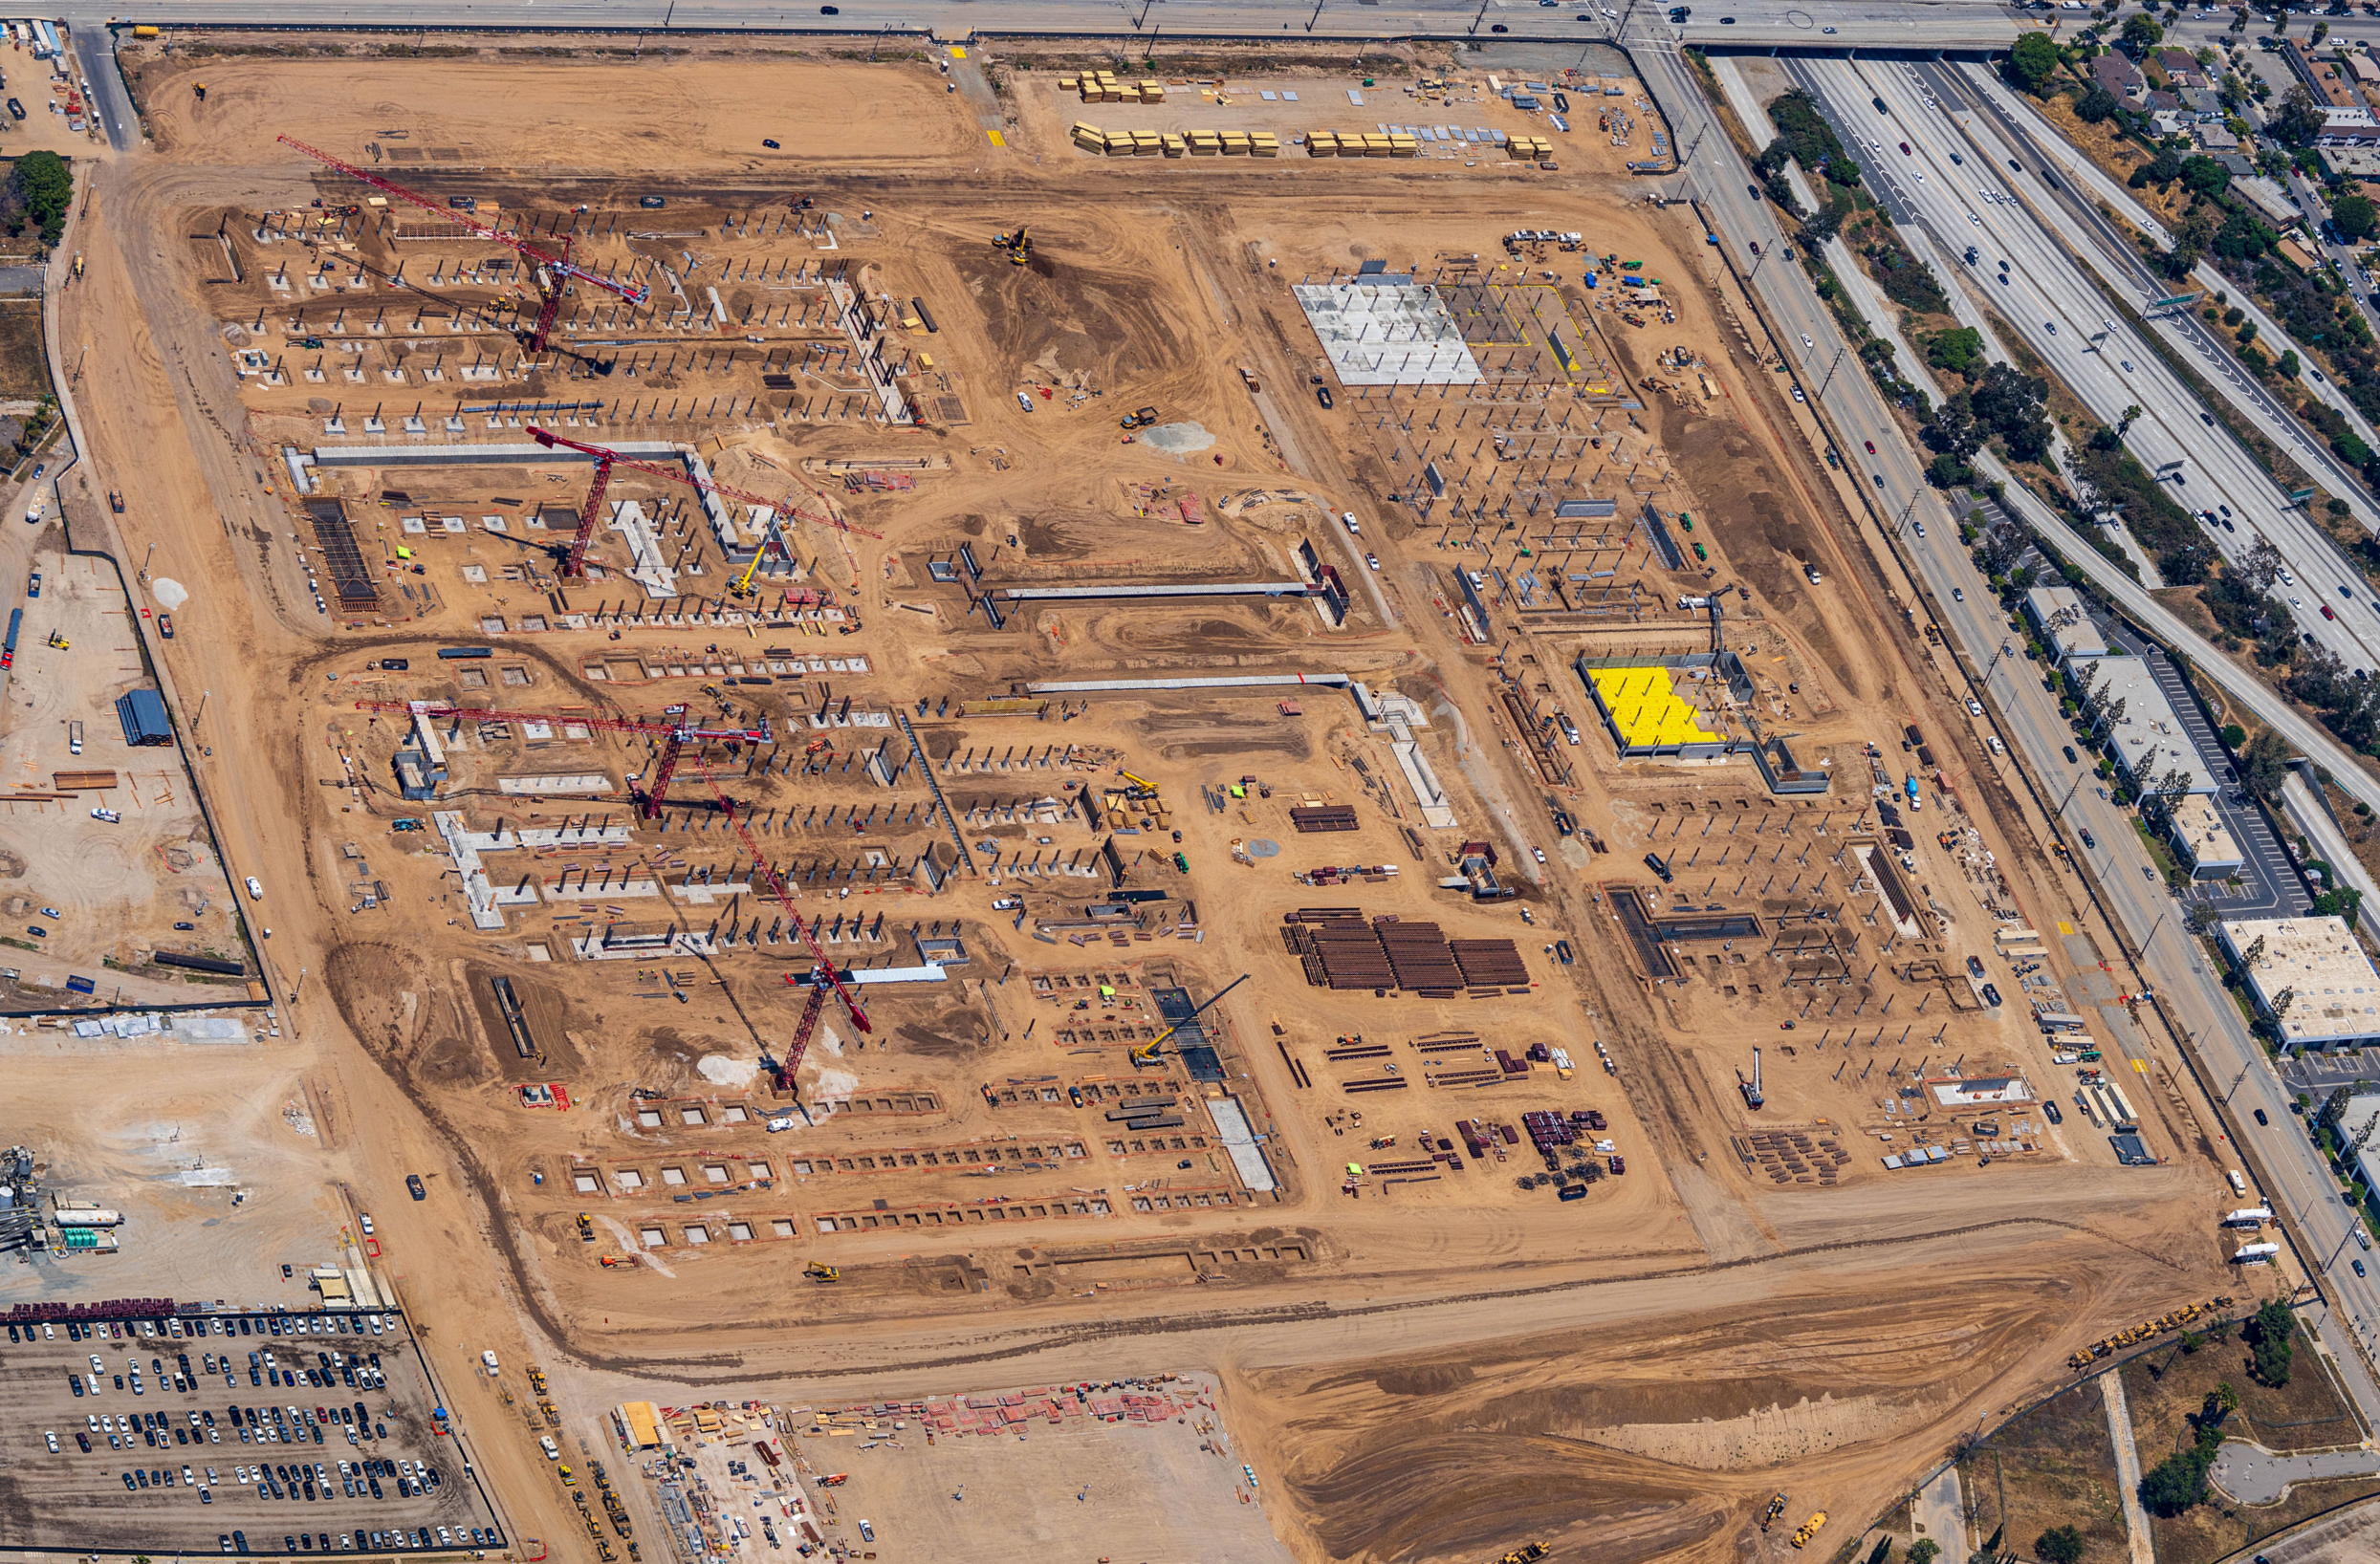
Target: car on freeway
{"x": 1806, "y": 340}
{"x": 1918, "y": 526}
{"x": 1879, "y": 477}
{"x": 2052, "y": 327}
{"x": 1906, "y": 152}
{"x": 1958, "y": 594}
{"x": 2207, "y": 419}
{"x": 2089, "y": 841}
{"x": 1880, "y": 108}
{"x": 2225, "y": 510}
{"x": 1871, "y": 445}
{"x": 2326, "y": 612}
{"x": 2126, "y": 363}
{"x": 1956, "y": 159}
{"x": 2259, "y": 1114}
{"x": 2357, "y": 1266}
{"x": 1826, "y": 30}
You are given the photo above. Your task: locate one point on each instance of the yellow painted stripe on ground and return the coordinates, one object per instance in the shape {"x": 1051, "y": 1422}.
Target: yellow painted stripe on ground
{"x": 957, "y": 51}
{"x": 2065, "y": 927}
{"x": 2140, "y": 1067}
{"x": 997, "y": 139}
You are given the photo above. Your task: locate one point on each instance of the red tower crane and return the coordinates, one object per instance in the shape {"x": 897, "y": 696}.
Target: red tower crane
{"x": 675, "y": 736}
{"x": 552, "y": 269}
{"x": 606, "y": 459}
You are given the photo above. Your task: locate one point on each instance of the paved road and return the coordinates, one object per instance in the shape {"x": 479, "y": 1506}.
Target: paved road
{"x": 2189, "y": 991}
{"x": 2136, "y": 1534}
{"x": 1928, "y": 24}
{"x": 2255, "y": 1476}
{"x": 1941, "y": 1514}
{"x": 1956, "y": 183}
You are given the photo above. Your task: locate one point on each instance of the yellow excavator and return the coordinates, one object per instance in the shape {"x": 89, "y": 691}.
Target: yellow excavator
{"x": 1019, "y": 245}
{"x": 1147, "y": 1052}
{"x": 818, "y": 1271}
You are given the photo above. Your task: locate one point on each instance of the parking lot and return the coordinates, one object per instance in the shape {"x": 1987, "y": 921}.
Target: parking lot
{"x": 211, "y": 1432}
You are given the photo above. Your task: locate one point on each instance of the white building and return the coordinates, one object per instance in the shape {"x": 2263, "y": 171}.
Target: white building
{"x": 2333, "y": 993}
{"x": 2047, "y": 606}
{"x": 2148, "y": 739}
{"x": 2203, "y": 841}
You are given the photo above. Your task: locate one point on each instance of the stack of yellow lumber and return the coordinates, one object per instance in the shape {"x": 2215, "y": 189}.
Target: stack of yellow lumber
{"x": 1527, "y": 147}
{"x": 1102, "y": 87}
{"x": 1352, "y": 144}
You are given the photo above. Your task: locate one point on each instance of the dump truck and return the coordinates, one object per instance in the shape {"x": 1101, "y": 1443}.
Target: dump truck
{"x": 1141, "y": 420}
{"x": 1808, "y": 1530}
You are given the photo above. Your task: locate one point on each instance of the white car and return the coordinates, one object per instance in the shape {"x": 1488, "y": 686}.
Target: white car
{"x": 1373, "y": 560}
{"x": 1346, "y": 519}
{"x": 52, "y": 1436}
{"x": 1806, "y": 340}
{"x": 1538, "y": 853}
{"x": 1975, "y": 708}
{"x": 365, "y": 1219}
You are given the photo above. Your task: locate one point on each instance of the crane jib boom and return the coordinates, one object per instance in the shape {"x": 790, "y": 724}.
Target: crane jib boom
{"x": 633, "y": 292}
{"x": 606, "y": 456}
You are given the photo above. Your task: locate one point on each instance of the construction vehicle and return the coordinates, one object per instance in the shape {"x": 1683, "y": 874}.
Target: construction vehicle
{"x": 586, "y": 1228}
{"x": 554, "y": 272}
{"x": 201, "y": 92}
{"x": 575, "y": 563}
{"x": 1141, "y": 420}
{"x": 819, "y": 1271}
{"x": 1019, "y": 245}
{"x": 1808, "y": 1530}
{"x": 1528, "y": 1553}
{"x": 774, "y": 538}
{"x": 612, "y": 1261}
{"x": 1776, "y": 1507}
{"x": 1147, "y": 1052}
{"x": 116, "y": 501}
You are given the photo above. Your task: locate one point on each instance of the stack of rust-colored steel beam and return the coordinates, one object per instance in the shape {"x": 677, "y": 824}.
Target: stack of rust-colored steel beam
{"x": 1490, "y": 963}
{"x": 1315, "y": 818}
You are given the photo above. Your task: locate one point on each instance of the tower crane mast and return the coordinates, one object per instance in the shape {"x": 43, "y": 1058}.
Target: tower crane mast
{"x": 676, "y": 734}
{"x": 606, "y": 459}
{"x": 556, "y": 267}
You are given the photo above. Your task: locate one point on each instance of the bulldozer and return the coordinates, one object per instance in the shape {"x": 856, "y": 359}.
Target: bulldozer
{"x": 819, "y": 1271}
{"x": 1019, "y": 245}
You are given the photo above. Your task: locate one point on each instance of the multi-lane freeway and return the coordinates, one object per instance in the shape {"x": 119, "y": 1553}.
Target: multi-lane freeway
{"x": 1937, "y": 163}
{"x": 2177, "y": 969}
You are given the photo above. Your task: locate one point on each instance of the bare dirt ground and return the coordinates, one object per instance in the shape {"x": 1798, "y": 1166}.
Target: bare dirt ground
{"x": 1413, "y": 1369}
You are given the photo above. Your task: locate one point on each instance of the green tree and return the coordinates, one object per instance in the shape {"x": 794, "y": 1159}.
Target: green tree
{"x": 1924, "y": 1551}
{"x": 2269, "y": 1331}
{"x": 2263, "y": 766}
{"x": 2175, "y": 1484}
{"x": 2098, "y": 104}
{"x": 2356, "y": 216}
{"x": 2205, "y": 176}
{"x": 2059, "y": 1545}
{"x": 2300, "y": 119}
{"x": 2141, "y": 32}
{"x": 2033, "y": 62}
{"x": 38, "y": 191}
{"x": 2233, "y": 736}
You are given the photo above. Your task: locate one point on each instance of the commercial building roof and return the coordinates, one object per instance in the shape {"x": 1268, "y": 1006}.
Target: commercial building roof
{"x": 2200, "y": 836}
{"x": 2081, "y": 638}
{"x": 2352, "y": 1117}
{"x": 1646, "y": 711}
{"x": 2335, "y": 994}
{"x": 2149, "y": 738}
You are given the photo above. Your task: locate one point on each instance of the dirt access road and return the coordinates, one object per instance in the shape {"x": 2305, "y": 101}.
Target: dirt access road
{"x": 1440, "y": 1388}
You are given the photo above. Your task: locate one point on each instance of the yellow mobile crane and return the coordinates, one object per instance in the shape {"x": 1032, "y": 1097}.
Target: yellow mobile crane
{"x": 1147, "y": 1052}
